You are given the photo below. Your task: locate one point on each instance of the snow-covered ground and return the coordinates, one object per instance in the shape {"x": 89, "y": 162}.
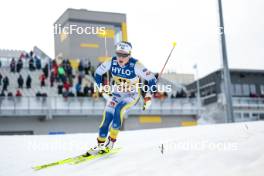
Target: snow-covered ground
{"x": 209, "y": 150}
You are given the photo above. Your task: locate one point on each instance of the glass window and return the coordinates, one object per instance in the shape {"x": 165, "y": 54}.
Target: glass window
{"x": 261, "y": 116}
{"x": 237, "y": 115}
{"x": 253, "y": 88}
{"x": 246, "y": 115}
{"x": 255, "y": 115}
{"x": 262, "y": 89}
{"x": 238, "y": 89}
{"x": 246, "y": 90}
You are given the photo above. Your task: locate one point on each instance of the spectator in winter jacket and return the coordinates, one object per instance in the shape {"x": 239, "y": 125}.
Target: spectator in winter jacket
{"x": 60, "y": 88}
{"x": 20, "y": 81}
{"x": 61, "y": 74}
{"x": 78, "y": 88}
{"x": 28, "y": 82}
{"x": 42, "y": 80}
{"x": 19, "y": 65}
{"x": 80, "y": 67}
{"x": 18, "y": 93}
{"x": 52, "y": 79}
{"x": 1, "y": 77}
{"x": 2, "y": 94}
{"x": 31, "y": 64}
{"x": 46, "y": 70}
{"x": 66, "y": 86}
{"x": 13, "y": 65}
{"x": 38, "y": 63}
{"x": 5, "y": 83}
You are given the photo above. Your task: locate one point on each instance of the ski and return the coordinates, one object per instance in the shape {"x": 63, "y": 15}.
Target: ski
{"x": 76, "y": 160}
{"x": 92, "y": 157}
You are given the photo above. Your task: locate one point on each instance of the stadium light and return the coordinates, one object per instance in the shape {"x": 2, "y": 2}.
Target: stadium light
{"x": 226, "y": 73}
{"x": 198, "y": 92}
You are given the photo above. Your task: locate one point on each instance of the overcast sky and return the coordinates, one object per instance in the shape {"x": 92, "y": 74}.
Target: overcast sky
{"x": 152, "y": 27}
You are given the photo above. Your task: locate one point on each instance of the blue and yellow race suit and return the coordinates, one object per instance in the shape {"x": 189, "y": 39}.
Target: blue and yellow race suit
{"x": 121, "y": 101}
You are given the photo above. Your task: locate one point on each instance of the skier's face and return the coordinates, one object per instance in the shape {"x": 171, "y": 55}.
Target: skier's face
{"x": 122, "y": 58}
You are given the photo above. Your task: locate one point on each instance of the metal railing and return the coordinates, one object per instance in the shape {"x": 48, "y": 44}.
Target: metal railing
{"x": 249, "y": 102}
{"x": 59, "y": 106}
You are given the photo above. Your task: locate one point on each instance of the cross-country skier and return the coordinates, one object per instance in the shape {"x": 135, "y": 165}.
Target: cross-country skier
{"x": 126, "y": 72}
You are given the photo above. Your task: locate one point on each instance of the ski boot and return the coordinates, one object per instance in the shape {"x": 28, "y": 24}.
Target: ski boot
{"x": 109, "y": 144}
{"x": 97, "y": 149}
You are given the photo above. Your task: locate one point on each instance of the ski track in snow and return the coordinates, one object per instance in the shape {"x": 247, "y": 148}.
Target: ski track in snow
{"x": 187, "y": 151}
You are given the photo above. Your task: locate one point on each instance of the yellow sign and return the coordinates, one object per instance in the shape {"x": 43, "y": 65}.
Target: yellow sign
{"x": 149, "y": 119}
{"x": 109, "y": 33}
{"x": 89, "y": 45}
{"x": 188, "y": 123}
{"x": 103, "y": 59}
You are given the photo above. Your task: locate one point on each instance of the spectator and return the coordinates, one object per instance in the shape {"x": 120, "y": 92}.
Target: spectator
{"x": 46, "y": 70}
{"x": 68, "y": 69}
{"x": 28, "y": 82}
{"x": 44, "y": 95}
{"x": 78, "y": 88}
{"x": 92, "y": 71}
{"x": 10, "y": 96}
{"x": 66, "y": 86}
{"x": 31, "y": 64}
{"x": 87, "y": 68}
{"x": 61, "y": 73}
{"x": 80, "y": 78}
{"x": 71, "y": 94}
{"x": 18, "y": 93}
{"x": 60, "y": 88}
{"x": 52, "y": 79}
{"x": 1, "y": 77}
{"x": 42, "y": 80}
{"x": 85, "y": 90}
{"x": 19, "y": 65}
{"x": 38, "y": 63}
{"x": 80, "y": 67}
{"x": 31, "y": 54}
{"x": 88, "y": 90}
{"x": 55, "y": 69}
{"x": 20, "y": 81}
{"x": 38, "y": 94}
{"x": 13, "y": 66}
{"x": 22, "y": 55}
{"x": 65, "y": 94}
{"x": 5, "y": 83}
{"x": 27, "y": 55}
{"x": 2, "y": 94}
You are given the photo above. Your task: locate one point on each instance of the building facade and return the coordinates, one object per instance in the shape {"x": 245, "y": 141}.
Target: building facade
{"x": 247, "y": 94}
{"x": 88, "y": 35}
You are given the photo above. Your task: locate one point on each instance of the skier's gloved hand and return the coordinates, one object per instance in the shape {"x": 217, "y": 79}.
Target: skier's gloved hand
{"x": 106, "y": 93}
{"x": 147, "y": 101}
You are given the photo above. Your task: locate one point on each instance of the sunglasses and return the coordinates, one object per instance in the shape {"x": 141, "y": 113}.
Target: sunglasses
{"x": 122, "y": 55}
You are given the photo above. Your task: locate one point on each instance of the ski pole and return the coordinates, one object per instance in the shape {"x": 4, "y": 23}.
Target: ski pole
{"x": 174, "y": 44}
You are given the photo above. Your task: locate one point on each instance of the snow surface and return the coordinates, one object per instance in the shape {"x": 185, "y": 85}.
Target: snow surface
{"x": 209, "y": 150}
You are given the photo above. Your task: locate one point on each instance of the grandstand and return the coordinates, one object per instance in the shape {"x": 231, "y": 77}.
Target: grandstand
{"x": 47, "y": 102}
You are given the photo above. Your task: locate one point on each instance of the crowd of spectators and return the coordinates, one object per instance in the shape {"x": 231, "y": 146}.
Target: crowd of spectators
{"x": 69, "y": 81}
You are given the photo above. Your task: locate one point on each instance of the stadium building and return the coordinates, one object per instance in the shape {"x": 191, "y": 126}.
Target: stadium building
{"x": 247, "y": 94}
{"x": 88, "y": 35}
